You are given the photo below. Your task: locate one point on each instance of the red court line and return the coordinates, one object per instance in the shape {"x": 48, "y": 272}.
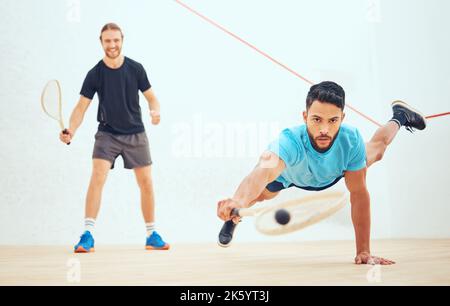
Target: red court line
{"x": 438, "y": 115}
{"x": 212, "y": 22}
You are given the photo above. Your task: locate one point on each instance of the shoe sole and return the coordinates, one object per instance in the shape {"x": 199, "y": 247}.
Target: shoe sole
{"x": 407, "y": 106}
{"x": 224, "y": 245}
{"x": 164, "y": 248}
{"x": 80, "y": 249}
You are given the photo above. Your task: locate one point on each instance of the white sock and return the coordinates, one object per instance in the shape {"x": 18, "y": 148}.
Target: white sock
{"x": 150, "y": 227}
{"x": 89, "y": 225}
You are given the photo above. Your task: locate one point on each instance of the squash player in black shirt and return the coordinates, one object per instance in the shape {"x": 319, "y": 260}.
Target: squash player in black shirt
{"x": 117, "y": 81}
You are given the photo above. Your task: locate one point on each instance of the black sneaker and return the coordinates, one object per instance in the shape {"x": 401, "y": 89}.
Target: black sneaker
{"x": 414, "y": 119}
{"x": 226, "y": 234}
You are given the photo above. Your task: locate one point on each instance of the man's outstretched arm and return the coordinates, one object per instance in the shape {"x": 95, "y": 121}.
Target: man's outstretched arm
{"x": 360, "y": 201}
{"x": 270, "y": 166}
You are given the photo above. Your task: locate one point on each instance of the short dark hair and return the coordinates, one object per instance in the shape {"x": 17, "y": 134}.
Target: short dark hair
{"x": 111, "y": 26}
{"x": 326, "y": 92}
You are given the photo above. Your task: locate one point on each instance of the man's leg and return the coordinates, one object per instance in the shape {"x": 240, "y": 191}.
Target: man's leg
{"x": 144, "y": 180}
{"x": 265, "y": 195}
{"x": 100, "y": 169}
{"x": 376, "y": 147}
{"x": 404, "y": 115}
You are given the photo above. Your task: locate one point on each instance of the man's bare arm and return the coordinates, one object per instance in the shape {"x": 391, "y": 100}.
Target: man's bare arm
{"x": 268, "y": 169}
{"x": 76, "y": 119}
{"x": 360, "y": 201}
{"x": 154, "y": 105}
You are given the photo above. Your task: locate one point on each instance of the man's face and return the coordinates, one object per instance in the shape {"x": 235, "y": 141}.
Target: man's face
{"x": 112, "y": 43}
{"x": 323, "y": 121}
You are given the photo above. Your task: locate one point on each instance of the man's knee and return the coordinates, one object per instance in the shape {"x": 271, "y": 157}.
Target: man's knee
{"x": 98, "y": 177}
{"x": 376, "y": 150}
{"x": 99, "y": 174}
{"x": 379, "y": 156}
{"x": 145, "y": 183}
{"x": 379, "y": 153}
{"x": 267, "y": 195}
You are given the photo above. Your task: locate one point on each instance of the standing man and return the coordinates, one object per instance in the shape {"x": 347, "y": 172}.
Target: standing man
{"x": 117, "y": 81}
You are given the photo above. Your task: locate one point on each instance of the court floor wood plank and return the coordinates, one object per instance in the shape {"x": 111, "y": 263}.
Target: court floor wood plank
{"x": 419, "y": 262}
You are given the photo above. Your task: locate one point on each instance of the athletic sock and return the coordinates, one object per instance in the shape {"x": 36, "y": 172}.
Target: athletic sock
{"x": 150, "y": 227}
{"x": 89, "y": 225}
{"x": 399, "y": 118}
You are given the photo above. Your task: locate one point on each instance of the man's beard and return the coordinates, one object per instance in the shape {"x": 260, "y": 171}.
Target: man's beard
{"x": 113, "y": 57}
{"x": 314, "y": 143}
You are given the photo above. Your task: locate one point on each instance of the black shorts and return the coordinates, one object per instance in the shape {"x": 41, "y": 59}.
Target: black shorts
{"x": 276, "y": 186}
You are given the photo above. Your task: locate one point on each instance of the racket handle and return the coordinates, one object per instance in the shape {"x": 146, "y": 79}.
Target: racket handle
{"x": 235, "y": 212}
{"x": 66, "y": 133}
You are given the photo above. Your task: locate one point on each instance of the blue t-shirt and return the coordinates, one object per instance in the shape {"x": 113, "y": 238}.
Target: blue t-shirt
{"x": 306, "y": 167}
{"x": 118, "y": 95}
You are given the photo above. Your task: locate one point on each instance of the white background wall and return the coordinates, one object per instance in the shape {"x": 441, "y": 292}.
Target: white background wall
{"x": 207, "y": 83}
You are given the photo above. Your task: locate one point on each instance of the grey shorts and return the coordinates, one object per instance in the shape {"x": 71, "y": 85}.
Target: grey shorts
{"x": 133, "y": 148}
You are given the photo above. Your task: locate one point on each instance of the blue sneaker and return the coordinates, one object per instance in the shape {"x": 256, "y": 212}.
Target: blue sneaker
{"x": 155, "y": 242}
{"x": 86, "y": 244}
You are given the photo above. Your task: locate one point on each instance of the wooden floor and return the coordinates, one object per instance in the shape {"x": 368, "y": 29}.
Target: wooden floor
{"x": 419, "y": 262}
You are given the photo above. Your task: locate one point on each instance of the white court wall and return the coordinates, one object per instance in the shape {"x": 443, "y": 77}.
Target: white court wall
{"x": 210, "y": 86}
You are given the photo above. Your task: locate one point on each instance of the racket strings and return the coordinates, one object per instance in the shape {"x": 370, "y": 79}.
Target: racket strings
{"x": 51, "y": 100}
{"x": 304, "y": 212}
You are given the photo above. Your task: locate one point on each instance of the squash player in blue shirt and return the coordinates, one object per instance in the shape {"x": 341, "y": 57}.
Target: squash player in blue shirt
{"x": 315, "y": 156}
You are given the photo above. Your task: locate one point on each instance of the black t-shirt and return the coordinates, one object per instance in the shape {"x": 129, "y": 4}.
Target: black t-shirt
{"x": 118, "y": 94}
